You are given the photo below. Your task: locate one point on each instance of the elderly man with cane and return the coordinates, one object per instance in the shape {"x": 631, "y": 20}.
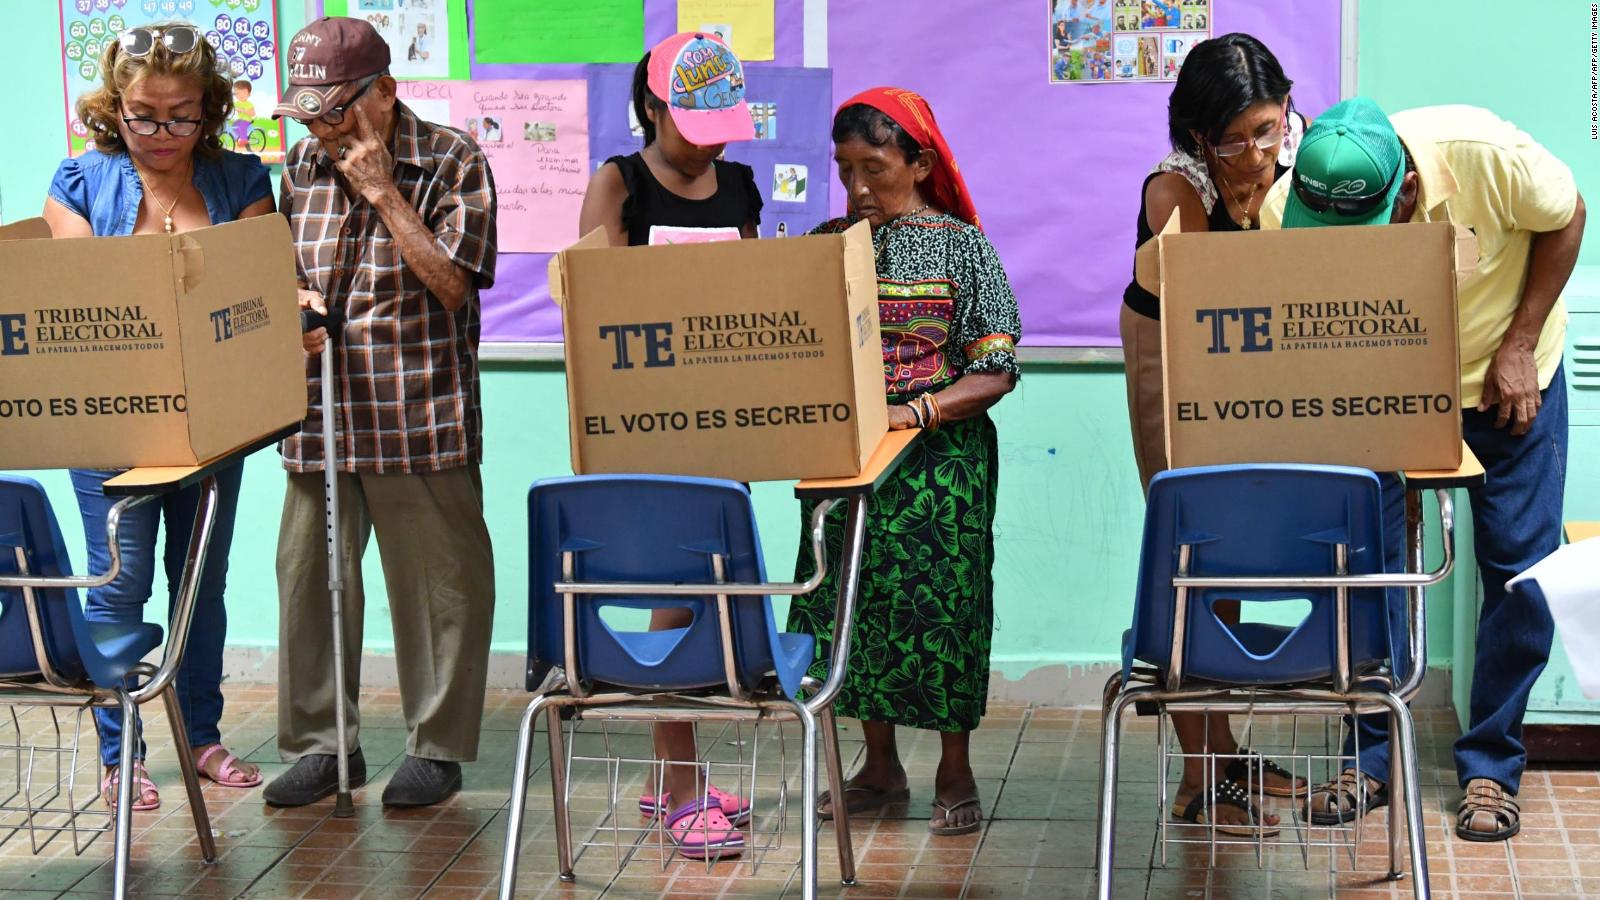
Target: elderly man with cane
{"x": 393, "y": 220}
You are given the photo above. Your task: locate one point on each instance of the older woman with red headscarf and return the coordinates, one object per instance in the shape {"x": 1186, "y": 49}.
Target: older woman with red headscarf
{"x": 950, "y": 326}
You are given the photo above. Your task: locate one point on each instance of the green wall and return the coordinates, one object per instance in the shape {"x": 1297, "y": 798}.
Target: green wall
{"x": 1069, "y": 510}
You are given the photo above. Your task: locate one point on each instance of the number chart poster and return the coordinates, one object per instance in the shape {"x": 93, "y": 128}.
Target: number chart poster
{"x": 1110, "y": 41}
{"x": 244, "y": 34}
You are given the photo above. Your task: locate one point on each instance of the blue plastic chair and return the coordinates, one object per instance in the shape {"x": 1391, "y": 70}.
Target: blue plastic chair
{"x": 1294, "y": 518}
{"x": 1270, "y": 533}
{"x": 69, "y": 661}
{"x": 629, "y": 541}
{"x": 649, "y": 528}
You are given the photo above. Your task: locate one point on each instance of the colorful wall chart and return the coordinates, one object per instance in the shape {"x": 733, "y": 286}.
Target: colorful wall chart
{"x": 1110, "y": 41}
{"x": 536, "y": 136}
{"x": 426, "y": 38}
{"x": 244, "y": 34}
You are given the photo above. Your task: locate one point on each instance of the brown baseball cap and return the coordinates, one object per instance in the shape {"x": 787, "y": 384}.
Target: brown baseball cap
{"x": 324, "y": 58}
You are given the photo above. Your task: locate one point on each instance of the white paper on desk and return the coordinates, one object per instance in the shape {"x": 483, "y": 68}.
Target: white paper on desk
{"x": 1569, "y": 579}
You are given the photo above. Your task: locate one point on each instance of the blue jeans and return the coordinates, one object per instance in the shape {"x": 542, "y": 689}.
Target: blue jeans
{"x": 1516, "y": 521}
{"x": 199, "y": 679}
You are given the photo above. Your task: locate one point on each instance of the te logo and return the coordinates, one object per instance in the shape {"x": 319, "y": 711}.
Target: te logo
{"x": 657, "y": 338}
{"x": 222, "y": 324}
{"x": 1254, "y": 325}
{"x": 13, "y": 340}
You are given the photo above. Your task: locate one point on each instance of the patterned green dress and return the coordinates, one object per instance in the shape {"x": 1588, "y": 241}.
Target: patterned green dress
{"x": 920, "y": 655}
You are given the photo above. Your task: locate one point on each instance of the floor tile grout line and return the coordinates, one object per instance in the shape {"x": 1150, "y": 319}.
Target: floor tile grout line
{"x": 456, "y": 856}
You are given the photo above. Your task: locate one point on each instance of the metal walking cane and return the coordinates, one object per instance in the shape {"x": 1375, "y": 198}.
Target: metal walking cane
{"x": 310, "y": 320}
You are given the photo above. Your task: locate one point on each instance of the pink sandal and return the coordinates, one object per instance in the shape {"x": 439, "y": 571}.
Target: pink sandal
{"x": 736, "y": 808}
{"x": 141, "y": 780}
{"x": 232, "y": 775}
{"x": 701, "y": 831}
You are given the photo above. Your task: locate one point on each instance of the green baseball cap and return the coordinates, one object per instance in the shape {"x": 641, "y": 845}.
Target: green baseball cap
{"x": 1348, "y": 170}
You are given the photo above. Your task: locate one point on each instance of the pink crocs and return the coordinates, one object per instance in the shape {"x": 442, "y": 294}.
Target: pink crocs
{"x": 736, "y": 808}
{"x": 701, "y": 831}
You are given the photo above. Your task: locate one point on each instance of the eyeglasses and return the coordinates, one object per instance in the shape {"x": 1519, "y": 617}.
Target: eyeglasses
{"x": 335, "y": 116}
{"x": 140, "y": 41}
{"x": 145, "y": 126}
{"x": 1344, "y": 206}
{"x": 1263, "y": 143}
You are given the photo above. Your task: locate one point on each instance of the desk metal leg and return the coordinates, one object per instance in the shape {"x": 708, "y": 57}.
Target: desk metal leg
{"x": 519, "y": 798}
{"x": 1110, "y": 737}
{"x": 191, "y": 777}
{"x": 841, "y": 817}
{"x": 808, "y": 802}
{"x": 126, "y": 761}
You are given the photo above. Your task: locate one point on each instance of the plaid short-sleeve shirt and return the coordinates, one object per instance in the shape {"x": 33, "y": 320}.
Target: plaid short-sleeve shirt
{"x": 407, "y": 368}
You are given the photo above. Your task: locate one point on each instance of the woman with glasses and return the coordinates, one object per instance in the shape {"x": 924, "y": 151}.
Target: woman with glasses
{"x": 1233, "y": 131}
{"x": 157, "y": 166}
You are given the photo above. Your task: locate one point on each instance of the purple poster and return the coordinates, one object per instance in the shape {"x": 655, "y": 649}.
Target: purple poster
{"x": 1056, "y": 173}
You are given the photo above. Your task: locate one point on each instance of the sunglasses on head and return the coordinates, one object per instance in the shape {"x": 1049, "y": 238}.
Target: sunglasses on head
{"x": 1344, "y": 206}
{"x": 141, "y": 41}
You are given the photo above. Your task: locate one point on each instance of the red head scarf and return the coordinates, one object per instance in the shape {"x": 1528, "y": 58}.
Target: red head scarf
{"x": 947, "y": 189}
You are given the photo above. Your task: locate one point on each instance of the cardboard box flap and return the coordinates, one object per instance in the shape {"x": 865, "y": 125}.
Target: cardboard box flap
{"x": 1147, "y": 260}
{"x": 189, "y": 262}
{"x": 251, "y": 314}
{"x": 34, "y": 229}
{"x": 594, "y": 240}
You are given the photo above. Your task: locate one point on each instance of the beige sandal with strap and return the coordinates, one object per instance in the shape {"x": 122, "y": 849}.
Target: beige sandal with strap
{"x": 1488, "y": 813}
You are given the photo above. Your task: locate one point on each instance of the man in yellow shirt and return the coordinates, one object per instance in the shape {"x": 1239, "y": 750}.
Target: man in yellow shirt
{"x": 1462, "y": 164}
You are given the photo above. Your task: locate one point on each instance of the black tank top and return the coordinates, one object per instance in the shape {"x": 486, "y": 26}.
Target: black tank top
{"x": 674, "y": 219}
{"x": 1142, "y": 301}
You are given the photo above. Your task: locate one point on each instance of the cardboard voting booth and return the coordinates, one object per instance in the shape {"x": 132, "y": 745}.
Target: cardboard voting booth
{"x": 1317, "y": 345}
{"x": 751, "y": 360}
{"x": 148, "y": 350}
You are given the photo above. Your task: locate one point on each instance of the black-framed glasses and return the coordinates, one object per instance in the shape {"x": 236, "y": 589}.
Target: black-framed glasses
{"x": 1345, "y": 206}
{"x": 145, "y": 126}
{"x": 140, "y": 41}
{"x": 335, "y": 116}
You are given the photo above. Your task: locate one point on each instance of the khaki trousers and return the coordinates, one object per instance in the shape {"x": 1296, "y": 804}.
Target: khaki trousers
{"x": 1141, "y": 353}
{"x": 439, "y": 570}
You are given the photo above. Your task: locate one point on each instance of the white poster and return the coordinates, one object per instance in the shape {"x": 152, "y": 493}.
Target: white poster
{"x": 417, "y": 32}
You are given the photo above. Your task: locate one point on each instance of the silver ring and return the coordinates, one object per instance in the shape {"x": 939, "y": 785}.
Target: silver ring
{"x": 343, "y": 150}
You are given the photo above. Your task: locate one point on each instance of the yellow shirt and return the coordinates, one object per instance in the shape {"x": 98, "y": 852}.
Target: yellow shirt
{"x": 1478, "y": 170}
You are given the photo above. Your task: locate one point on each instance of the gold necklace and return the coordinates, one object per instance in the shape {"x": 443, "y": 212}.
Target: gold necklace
{"x": 166, "y": 208}
{"x": 1244, "y": 208}
{"x": 888, "y": 228}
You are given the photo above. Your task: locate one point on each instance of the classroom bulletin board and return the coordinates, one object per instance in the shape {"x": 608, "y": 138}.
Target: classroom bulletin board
{"x": 1055, "y": 167}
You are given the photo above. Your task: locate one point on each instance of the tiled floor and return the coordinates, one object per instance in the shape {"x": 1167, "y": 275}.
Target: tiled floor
{"x": 1036, "y": 769}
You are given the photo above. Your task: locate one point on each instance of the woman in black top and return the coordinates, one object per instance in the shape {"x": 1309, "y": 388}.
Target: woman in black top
{"x": 676, "y": 190}
{"x": 1233, "y": 133}
{"x": 672, "y": 191}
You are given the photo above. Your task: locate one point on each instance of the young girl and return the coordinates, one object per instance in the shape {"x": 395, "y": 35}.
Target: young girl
{"x": 677, "y": 191}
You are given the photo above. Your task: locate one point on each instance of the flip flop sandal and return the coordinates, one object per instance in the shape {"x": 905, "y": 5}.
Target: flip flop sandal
{"x": 701, "y": 831}
{"x": 231, "y": 775}
{"x": 1490, "y": 805}
{"x": 1228, "y": 793}
{"x": 141, "y": 780}
{"x": 947, "y": 811}
{"x": 736, "y": 808}
{"x": 1350, "y": 799}
{"x": 1252, "y": 769}
{"x": 876, "y": 798}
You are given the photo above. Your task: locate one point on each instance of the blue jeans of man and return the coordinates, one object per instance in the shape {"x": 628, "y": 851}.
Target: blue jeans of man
{"x": 1516, "y": 521}
{"x": 199, "y": 679}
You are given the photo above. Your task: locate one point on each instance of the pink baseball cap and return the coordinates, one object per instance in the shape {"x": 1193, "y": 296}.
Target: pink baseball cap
{"x": 702, "y": 83}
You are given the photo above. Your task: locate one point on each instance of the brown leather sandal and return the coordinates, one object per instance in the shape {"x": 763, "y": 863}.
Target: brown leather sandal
{"x": 1487, "y": 813}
